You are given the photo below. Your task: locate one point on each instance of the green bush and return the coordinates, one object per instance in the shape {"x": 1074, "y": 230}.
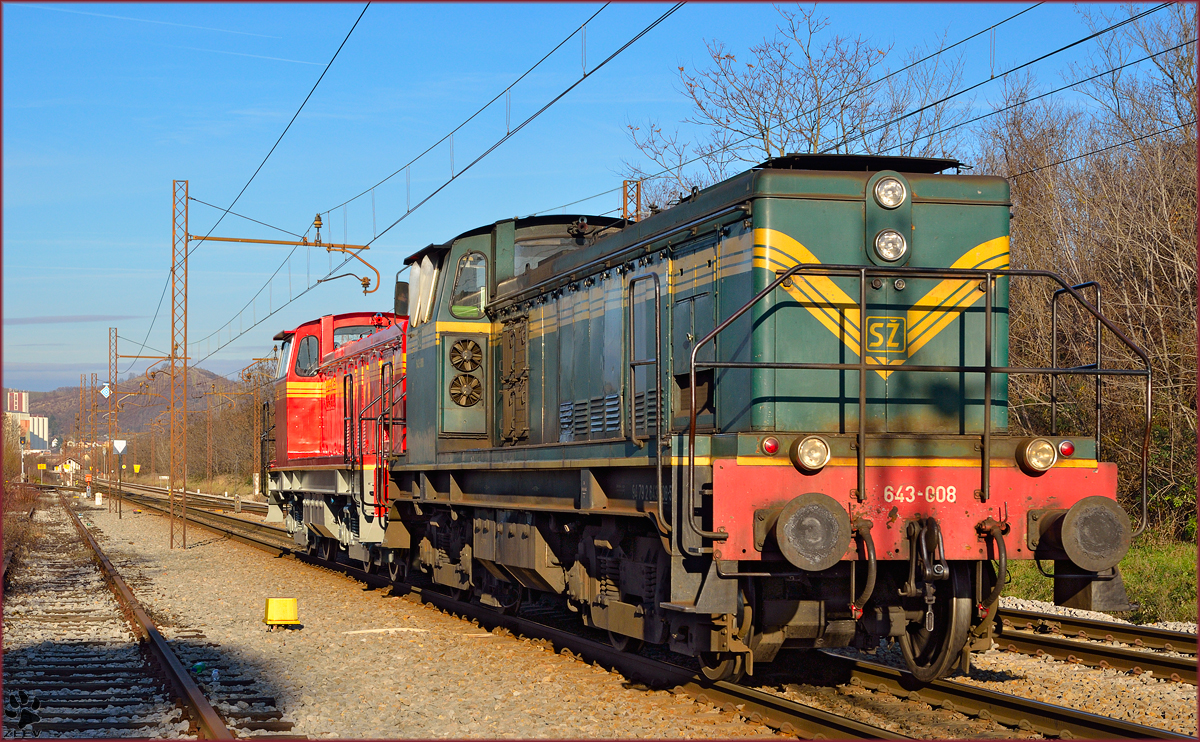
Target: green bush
{"x": 1159, "y": 575}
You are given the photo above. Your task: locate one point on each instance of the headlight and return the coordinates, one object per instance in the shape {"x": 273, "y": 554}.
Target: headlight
{"x": 890, "y": 245}
{"x": 810, "y": 454}
{"x": 1037, "y": 455}
{"x": 889, "y": 192}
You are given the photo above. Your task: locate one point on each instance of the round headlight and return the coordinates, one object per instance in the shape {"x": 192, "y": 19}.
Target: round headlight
{"x": 1037, "y": 455}
{"x": 810, "y": 454}
{"x": 890, "y": 245}
{"x": 889, "y": 192}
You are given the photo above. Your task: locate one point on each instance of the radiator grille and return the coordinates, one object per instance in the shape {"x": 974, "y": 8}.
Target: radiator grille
{"x": 645, "y": 412}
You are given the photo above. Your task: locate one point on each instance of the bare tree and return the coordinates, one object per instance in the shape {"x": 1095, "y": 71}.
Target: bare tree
{"x": 1106, "y": 191}
{"x": 801, "y": 90}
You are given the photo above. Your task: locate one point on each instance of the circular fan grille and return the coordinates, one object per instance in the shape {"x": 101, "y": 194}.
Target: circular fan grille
{"x": 466, "y": 355}
{"x": 465, "y": 390}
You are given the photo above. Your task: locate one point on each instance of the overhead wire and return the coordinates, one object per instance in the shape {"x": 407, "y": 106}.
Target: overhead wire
{"x": 470, "y": 118}
{"x": 859, "y": 89}
{"x": 188, "y": 252}
{"x": 1102, "y": 149}
{"x": 243, "y": 216}
{"x": 539, "y": 112}
{"x": 1073, "y": 44}
{"x": 410, "y": 162}
{"x": 499, "y": 142}
{"x": 992, "y": 78}
{"x": 1027, "y": 101}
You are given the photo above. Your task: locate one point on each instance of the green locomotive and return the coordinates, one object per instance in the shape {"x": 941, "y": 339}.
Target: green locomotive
{"x": 771, "y": 417}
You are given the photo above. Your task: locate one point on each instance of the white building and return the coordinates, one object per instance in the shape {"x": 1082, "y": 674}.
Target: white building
{"x": 35, "y": 429}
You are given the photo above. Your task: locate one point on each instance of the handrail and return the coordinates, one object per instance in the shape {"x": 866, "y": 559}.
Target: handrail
{"x": 386, "y": 401}
{"x": 634, "y": 362}
{"x": 863, "y": 272}
{"x": 1054, "y": 359}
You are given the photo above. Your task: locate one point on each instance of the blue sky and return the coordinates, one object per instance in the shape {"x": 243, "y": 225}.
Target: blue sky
{"x": 105, "y": 104}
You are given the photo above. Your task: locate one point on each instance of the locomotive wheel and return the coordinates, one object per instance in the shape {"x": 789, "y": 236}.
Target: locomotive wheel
{"x": 398, "y": 567}
{"x": 325, "y": 550}
{"x": 722, "y": 666}
{"x": 933, "y": 654}
{"x": 623, "y": 643}
{"x": 510, "y": 608}
{"x": 370, "y": 565}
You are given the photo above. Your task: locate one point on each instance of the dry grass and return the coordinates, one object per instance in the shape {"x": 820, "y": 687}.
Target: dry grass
{"x": 19, "y": 531}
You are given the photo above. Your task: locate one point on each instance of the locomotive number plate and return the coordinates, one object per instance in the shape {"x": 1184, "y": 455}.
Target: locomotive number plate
{"x": 910, "y": 493}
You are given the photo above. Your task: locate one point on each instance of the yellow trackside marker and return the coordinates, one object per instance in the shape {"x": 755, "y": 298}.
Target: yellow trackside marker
{"x": 890, "y": 341}
{"x": 281, "y": 612}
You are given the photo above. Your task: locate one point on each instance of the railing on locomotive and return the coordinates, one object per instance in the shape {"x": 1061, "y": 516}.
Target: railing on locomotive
{"x": 863, "y": 272}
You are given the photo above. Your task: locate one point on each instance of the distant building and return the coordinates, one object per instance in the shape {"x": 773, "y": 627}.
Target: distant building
{"x": 17, "y": 402}
{"x": 35, "y": 429}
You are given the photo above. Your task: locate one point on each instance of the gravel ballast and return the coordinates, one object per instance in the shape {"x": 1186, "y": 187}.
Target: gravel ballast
{"x": 366, "y": 664}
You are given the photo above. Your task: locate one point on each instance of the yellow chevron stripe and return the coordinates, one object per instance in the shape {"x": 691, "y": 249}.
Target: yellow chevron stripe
{"x": 820, "y": 294}
{"x": 945, "y": 301}
{"x": 833, "y": 307}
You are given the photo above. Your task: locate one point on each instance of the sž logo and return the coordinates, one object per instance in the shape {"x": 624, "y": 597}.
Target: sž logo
{"x": 886, "y": 335}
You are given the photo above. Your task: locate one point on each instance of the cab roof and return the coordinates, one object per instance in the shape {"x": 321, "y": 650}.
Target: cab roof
{"x": 860, "y": 163}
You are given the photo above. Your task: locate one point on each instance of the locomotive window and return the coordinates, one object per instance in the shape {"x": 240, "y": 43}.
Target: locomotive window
{"x": 350, "y": 333}
{"x": 282, "y": 366}
{"x": 470, "y": 287}
{"x": 529, "y": 253}
{"x": 306, "y": 357}
{"x": 423, "y": 279}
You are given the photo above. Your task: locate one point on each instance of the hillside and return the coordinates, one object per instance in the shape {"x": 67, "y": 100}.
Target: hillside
{"x": 136, "y": 412}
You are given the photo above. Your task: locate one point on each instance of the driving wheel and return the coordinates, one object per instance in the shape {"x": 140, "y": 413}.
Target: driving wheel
{"x": 623, "y": 643}
{"x": 931, "y": 654}
{"x": 325, "y": 550}
{"x": 398, "y": 567}
{"x": 370, "y": 564}
{"x": 716, "y": 666}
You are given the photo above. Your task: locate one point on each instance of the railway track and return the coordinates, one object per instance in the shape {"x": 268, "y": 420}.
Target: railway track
{"x": 78, "y": 661}
{"x": 1064, "y": 638}
{"x": 764, "y": 705}
{"x": 79, "y": 664}
{"x": 197, "y": 500}
{"x": 1041, "y": 635}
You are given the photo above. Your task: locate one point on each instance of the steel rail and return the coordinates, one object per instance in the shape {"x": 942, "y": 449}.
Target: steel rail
{"x": 786, "y": 715}
{"x": 1149, "y": 637}
{"x": 776, "y": 711}
{"x": 219, "y": 501}
{"x": 1098, "y": 654}
{"x": 259, "y": 535}
{"x": 210, "y": 724}
{"x": 1009, "y": 710}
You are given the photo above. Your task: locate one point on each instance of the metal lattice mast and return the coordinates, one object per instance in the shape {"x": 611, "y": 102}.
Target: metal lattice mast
{"x": 112, "y": 397}
{"x": 94, "y": 412}
{"x": 208, "y": 435}
{"x": 80, "y": 420}
{"x": 631, "y": 200}
{"x": 177, "y": 482}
